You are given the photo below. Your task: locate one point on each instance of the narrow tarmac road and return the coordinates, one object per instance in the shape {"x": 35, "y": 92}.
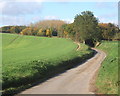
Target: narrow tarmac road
{"x": 73, "y": 81}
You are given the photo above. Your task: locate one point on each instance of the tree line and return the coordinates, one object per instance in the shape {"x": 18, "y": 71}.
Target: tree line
{"x": 46, "y": 28}
{"x": 85, "y": 28}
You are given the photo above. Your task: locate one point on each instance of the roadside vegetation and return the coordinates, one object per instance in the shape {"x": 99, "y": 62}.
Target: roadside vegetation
{"x": 27, "y": 59}
{"x": 107, "y": 80}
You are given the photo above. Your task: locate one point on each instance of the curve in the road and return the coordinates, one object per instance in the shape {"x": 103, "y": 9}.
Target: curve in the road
{"x": 73, "y": 81}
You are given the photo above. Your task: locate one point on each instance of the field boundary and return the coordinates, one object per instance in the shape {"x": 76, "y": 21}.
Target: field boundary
{"x": 14, "y": 40}
{"x": 78, "y": 47}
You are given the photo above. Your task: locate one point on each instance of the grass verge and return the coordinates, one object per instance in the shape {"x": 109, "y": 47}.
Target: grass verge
{"x": 107, "y": 80}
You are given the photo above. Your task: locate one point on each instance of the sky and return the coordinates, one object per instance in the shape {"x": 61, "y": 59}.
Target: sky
{"x": 18, "y": 12}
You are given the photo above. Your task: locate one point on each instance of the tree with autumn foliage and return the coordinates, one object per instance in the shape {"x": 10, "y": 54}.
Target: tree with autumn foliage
{"x": 108, "y": 30}
{"x": 12, "y": 29}
{"x": 41, "y": 32}
{"x": 26, "y": 31}
{"x": 48, "y": 33}
{"x": 53, "y": 25}
{"x": 67, "y": 30}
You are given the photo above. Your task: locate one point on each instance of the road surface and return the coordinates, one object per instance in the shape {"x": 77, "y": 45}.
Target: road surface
{"x": 74, "y": 81}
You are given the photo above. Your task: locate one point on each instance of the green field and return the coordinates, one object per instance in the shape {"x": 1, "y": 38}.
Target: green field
{"x": 27, "y": 59}
{"x": 107, "y": 80}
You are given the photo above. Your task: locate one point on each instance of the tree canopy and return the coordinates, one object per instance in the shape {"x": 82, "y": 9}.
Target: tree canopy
{"x": 86, "y": 26}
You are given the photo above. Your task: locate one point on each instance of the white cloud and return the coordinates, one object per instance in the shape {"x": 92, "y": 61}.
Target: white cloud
{"x": 36, "y": 19}
{"x": 51, "y": 17}
{"x": 80, "y": 0}
{"x": 105, "y": 20}
{"x": 68, "y": 20}
{"x": 29, "y": 0}
{"x": 109, "y": 18}
{"x": 2, "y": 4}
{"x": 103, "y": 5}
{"x": 19, "y": 8}
{"x": 10, "y": 20}
{"x": 14, "y": 12}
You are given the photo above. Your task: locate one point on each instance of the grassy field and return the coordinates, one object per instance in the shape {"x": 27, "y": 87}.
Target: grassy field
{"x": 107, "y": 80}
{"x": 27, "y": 59}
